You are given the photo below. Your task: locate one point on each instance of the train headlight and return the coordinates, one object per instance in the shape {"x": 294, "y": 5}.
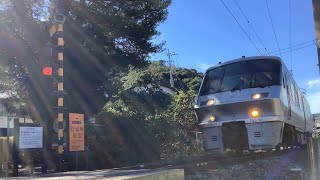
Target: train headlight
{"x": 211, "y": 102}
{"x": 212, "y": 118}
{"x": 256, "y": 96}
{"x": 260, "y": 95}
{"x": 254, "y": 113}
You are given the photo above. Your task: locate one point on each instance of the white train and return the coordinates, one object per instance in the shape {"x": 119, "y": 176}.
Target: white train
{"x": 252, "y": 103}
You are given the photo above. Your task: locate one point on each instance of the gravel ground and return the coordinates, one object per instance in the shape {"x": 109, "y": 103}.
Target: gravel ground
{"x": 272, "y": 167}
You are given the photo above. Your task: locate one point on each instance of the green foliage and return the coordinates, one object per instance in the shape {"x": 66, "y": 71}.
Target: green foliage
{"x": 181, "y": 140}
{"x": 101, "y": 39}
{"x": 134, "y": 78}
{"x": 107, "y": 73}
{"x": 104, "y": 36}
{"x": 182, "y": 109}
{"x": 164, "y": 121}
{"x": 189, "y": 77}
{"x": 19, "y": 59}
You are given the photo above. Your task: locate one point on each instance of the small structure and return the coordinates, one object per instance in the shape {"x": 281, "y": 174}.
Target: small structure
{"x": 4, "y": 120}
{"x": 167, "y": 89}
{"x": 316, "y": 118}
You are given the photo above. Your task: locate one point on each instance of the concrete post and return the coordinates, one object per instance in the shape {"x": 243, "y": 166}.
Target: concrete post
{"x": 296, "y": 173}
{"x": 313, "y": 158}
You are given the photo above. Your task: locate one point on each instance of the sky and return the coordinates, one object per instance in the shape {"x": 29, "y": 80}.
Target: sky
{"x": 203, "y": 33}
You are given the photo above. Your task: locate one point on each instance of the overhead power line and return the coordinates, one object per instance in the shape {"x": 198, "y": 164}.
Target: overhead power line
{"x": 292, "y": 50}
{"x": 241, "y": 27}
{"x": 251, "y": 26}
{"x": 294, "y": 46}
{"x": 274, "y": 32}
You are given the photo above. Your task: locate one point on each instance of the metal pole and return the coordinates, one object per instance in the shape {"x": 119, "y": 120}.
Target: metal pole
{"x": 87, "y": 158}
{"x": 7, "y": 148}
{"x": 170, "y": 66}
{"x": 15, "y": 146}
{"x": 77, "y": 160}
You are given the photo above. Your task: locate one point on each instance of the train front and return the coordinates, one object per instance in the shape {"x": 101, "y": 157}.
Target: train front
{"x": 239, "y": 106}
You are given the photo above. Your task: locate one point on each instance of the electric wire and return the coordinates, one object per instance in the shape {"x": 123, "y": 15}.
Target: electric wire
{"x": 241, "y": 27}
{"x": 297, "y": 45}
{"x": 274, "y": 32}
{"x": 292, "y": 50}
{"x": 251, "y": 26}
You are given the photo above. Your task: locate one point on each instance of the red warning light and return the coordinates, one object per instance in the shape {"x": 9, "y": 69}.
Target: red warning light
{"x": 47, "y": 71}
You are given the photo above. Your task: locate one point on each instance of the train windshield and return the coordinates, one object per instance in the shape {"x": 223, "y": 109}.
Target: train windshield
{"x": 241, "y": 75}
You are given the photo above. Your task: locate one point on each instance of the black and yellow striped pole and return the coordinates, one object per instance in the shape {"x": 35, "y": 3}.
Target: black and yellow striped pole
{"x": 56, "y": 34}
{"x": 60, "y": 87}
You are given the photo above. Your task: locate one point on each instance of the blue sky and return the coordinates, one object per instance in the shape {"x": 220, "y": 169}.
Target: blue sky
{"x": 203, "y": 33}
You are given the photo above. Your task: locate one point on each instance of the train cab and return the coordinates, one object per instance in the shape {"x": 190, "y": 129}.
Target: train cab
{"x": 244, "y": 104}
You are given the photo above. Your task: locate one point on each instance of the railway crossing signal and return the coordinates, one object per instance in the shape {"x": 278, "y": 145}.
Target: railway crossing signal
{"x": 57, "y": 45}
{"x": 47, "y": 71}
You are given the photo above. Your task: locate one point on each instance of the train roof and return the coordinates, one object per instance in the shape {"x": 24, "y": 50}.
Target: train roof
{"x": 245, "y": 59}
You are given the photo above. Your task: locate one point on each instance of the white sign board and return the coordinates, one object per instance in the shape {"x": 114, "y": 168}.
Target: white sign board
{"x": 4, "y": 122}
{"x": 30, "y": 137}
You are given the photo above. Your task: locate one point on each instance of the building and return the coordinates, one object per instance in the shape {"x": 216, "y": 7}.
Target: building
{"x": 316, "y": 118}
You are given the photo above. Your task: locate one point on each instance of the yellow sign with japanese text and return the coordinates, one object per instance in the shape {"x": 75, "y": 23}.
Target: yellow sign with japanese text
{"x": 76, "y": 132}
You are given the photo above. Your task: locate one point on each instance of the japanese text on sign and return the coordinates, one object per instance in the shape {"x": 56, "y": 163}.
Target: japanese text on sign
{"x": 30, "y": 137}
{"x": 76, "y": 132}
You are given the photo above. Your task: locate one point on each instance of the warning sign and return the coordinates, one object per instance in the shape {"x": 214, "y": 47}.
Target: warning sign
{"x": 76, "y": 132}
{"x": 30, "y": 137}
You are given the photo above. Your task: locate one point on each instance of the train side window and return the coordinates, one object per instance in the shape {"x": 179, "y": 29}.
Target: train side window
{"x": 297, "y": 95}
{"x": 301, "y": 100}
{"x": 284, "y": 82}
{"x": 293, "y": 93}
{"x": 289, "y": 88}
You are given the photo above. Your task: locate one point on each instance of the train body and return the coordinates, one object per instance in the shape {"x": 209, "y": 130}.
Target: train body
{"x": 252, "y": 103}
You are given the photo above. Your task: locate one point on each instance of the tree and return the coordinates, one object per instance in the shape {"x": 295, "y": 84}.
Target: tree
{"x": 101, "y": 37}
{"x": 129, "y": 117}
{"x": 19, "y": 62}
{"x": 141, "y": 115}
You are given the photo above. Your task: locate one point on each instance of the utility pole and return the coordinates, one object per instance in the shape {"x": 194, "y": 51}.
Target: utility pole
{"x": 316, "y": 15}
{"x": 169, "y": 54}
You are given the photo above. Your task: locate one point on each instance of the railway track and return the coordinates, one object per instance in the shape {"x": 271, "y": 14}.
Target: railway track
{"x": 200, "y": 164}
{"x": 213, "y": 166}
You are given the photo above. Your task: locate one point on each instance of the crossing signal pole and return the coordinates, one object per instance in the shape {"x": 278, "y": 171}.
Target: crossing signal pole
{"x": 56, "y": 37}
{"x": 316, "y": 15}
